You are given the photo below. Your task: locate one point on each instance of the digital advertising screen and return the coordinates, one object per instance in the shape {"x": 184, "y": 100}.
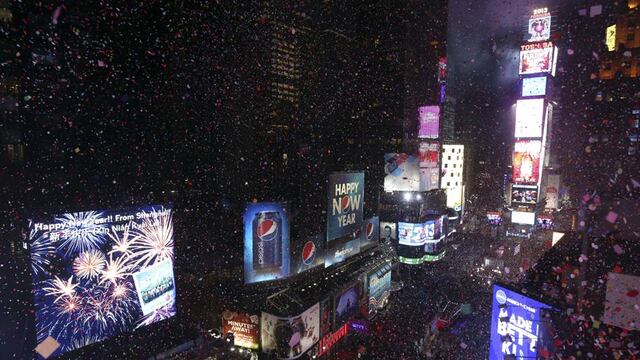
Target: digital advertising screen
{"x": 429, "y": 154}
{"x": 290, "y": 337}
{"x": 370, "y": 235}
{"x": 429, "y": 179}
{"x": 544, "y": 222}
{"x": 540, "y": 27}
{"x": 526, "y": 162}
{"x": 266, "y": 242}
{"x": 529, "y": 118}
{"x": 401, "y": 172}
{"x": 379, "y": 288}
{"x": 524, "y": 194}
{"x": 518, "y": 326}
{"x": 345, "y": 202}
{"x": 552, "y": 191}
{"x": 347, "y": 305}
{"x": 244, "y": 327}
{"x": 536, "y": 58}
{"x": 97, "y": 274}
{"x": 412, "y": 234}
{"x": 307, "y": 253}
{"x": 611, "y": 38}
{"x": 429, "y": 122}
{"x": 523, "y": 217}
{"x": 534, "y": 86}
{"x": 388, "y": 232}
{"x": 494, "y": 218}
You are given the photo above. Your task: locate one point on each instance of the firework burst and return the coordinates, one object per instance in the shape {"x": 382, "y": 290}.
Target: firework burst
{"x": 89, "y": 264}
{"x": 41, "y": 250}
{"x": 83, "y": 231}
{"x": 69, "y": 305}
{"x": 60, "y": 288}
{"x": 122, "y": 243}
{"x": 114, "y": 270}
{"x": 154, "y": 241}
{"x": 82, "y": 341}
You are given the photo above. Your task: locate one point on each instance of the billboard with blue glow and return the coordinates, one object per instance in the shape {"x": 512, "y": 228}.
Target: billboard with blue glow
{"x": 266, "y": 242}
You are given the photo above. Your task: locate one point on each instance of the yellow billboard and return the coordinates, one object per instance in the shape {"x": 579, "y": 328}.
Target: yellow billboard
{"x": 611, "y": 37}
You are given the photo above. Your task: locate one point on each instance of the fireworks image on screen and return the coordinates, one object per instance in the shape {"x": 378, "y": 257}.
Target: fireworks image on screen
{"x": 93, "y": 295}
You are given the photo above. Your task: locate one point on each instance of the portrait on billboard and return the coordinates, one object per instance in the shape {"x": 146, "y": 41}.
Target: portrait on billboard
{"x": 290, "y": 337}
{"x": 429, "y": 154}
{"x": 429, "y": 122}
{"x": 536, "y": 58}
{"x": 388, "y": 232}
{"x": 529, "y": 118}
{"x": 97, "y": 274}
{"x": 266, "y": 242}
{"x": 526, "y": 162}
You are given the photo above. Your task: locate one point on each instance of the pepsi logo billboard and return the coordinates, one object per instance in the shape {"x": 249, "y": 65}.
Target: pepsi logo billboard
{"x": 266, "y": 242}
{"x": 370, "y": 235}
{"x": 307, "y": 253}
{"x": 345, "y": 202}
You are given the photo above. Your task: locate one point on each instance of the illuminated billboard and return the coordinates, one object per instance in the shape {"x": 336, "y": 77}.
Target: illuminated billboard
{"x": 307, "y": 253}
{"x": 526, "y": 162}
{"x": 494, "y": 218}
{"x": 523, "y": 217}
{"x": 529, "y": 118}
{"x": 429, "y": 122}
{"x": 429, "y": 179}
{"x": 401, "y": 172}
{"x": 518, "y": 326}
{"x": 611, "y": 37}
{"x": 534, "y": 86}
{"x": 290, "y": 337}
{"x": 536, "y": 58}
{"x": 539, "y": 25}
{"x": 244, "y": 327}
{"x": 552, "y": 191}
{"x": 524, "y": 194}
{"x": 370, "y": 234}
{"x": 266, "y": 242}
{"x": 97, "y": 274}
{"x": 347, "y": 305}
{"x": 388, "y": 233}
{"x": 412, "y": 234}
{"x": 429, "y": 154}
{"x": 345, "y": 202}
{"x": 379, "y": 288}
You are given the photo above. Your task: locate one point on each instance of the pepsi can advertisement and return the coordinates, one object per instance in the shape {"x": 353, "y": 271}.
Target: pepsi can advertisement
{"x": 370, "y": 235}
{"x": 346, "y": 200}
{"x": 307, "y": 253}
{"x": 266, "y": 242}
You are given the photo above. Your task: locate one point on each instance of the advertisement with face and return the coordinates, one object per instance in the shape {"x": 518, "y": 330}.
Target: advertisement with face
{"x": 526, "y": 162}
{"x": 429, "y": 120}
{"x": 429, "y": 154}
{"x": 307, "y": 253}
{"x": 534, "y": 86}
{"x": 347, "y": 305}
{"x": 529, "y": 118}
{"x": 401, "y": 172}
{"x": 244, "y": 327}
{"x": 370, "y": 235}
{"x": 266, "y": 242}
{"x": 516, "y": 325}
{"x": 345, "y": 202}
{"x": 524, "y": 194}
{"x": 97, "y": 274}
{"x": 290, "y": 337}
{"x": 536, "y": 58}
{"x": 388, "y": 233}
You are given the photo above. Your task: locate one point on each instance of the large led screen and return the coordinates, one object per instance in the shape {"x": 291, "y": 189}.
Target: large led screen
{"x": 534, "y": 86}
{"x": 412, "y": 234}
{"x": 429, "y": 154}
{"x": 379, "y": 288}
{"x": 401, "y": 172}
{"x": 266, "y": 242}
{"x": 244, "y": 327}
{"x": 347, "y": 305}
{"x": 529, "y": 118}
{"x": 290, "y": 337}
{"x": 97, "y": 274}
{"x": 517, "y": 325}
{"x": 523, "y": 217}
{"x": 526, "y": 162}
{"x": 345, "y": 202}
{"x": 429, "y": 122}
{"x": 307, "y": 253}
{"x": 536, "y": 58}
{"x": 524, "y": 194}
{"x": 370, "y": 235}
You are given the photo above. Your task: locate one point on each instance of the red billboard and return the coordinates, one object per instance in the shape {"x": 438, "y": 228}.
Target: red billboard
{"x": 429, "y": 154}
{"x": 526, "y": 161}
{"x": 244, "y": 327}
{"x": 537, "y": 58}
